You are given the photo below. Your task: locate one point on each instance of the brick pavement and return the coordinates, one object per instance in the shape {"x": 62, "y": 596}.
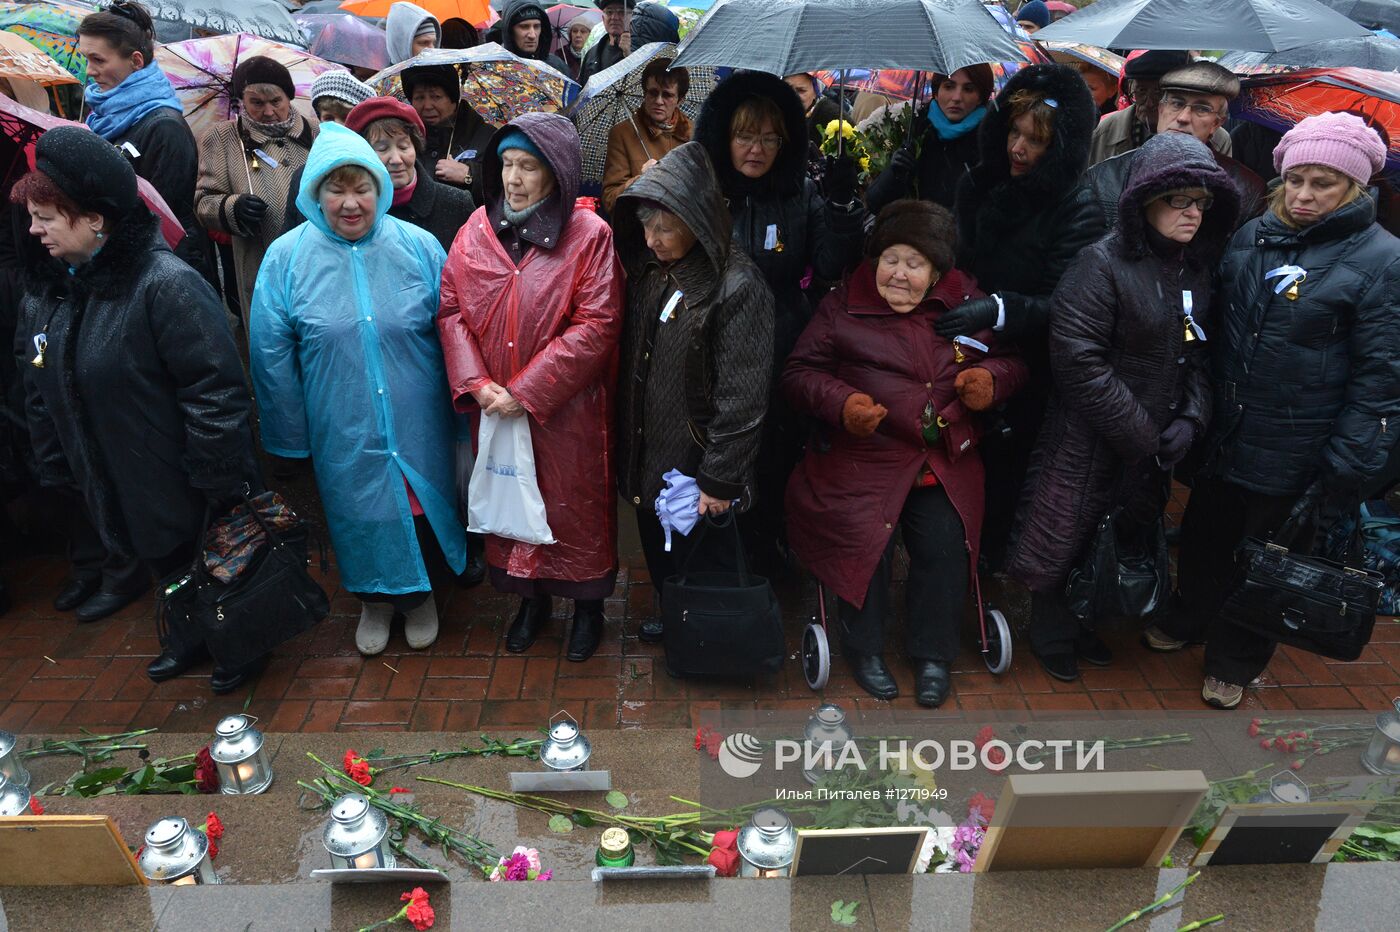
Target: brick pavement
{"x": 57, "y": 675}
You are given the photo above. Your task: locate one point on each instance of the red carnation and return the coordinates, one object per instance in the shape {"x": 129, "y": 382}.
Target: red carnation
{"x": 1266, "y": 744}
{"x": 418, "y": 910}
{"x": 213, "y": 849}
{"x": 36, "y": 807}
{"x": 206, "y": 774}
{"x": 350, "y": 758}
{"x": 213, "y": 827}
{"x": 1254, "y": 729}
{"x": 359, "y": 772}
{"x": 984, "y": 735}
{"x": 699, "y": 738}
{"x": 397, "y": 789}
{"x": 1297, "y": 764}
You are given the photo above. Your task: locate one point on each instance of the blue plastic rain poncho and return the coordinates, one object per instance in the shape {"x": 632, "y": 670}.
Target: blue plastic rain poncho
{"x": 348, "y": 370}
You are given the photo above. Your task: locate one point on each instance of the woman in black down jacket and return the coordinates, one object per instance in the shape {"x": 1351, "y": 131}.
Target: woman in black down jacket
{"x": 134, "y": 390}
{"x": 1131, "y": 392}
{"x": 1306, "y": 361}
{"x": 1023, "y": 214}
{"x": 755, "y": 131}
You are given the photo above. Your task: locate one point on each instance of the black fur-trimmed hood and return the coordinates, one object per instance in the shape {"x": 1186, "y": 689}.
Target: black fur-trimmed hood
{"x": 1168, "y": 162}
{"x": 712, "y": 132}
{"x": 1068, "y": 156}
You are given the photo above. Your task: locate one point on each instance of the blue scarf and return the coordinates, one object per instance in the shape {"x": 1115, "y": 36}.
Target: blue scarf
{"x": 116, "y": 111}
{"x": 948, "y": 130}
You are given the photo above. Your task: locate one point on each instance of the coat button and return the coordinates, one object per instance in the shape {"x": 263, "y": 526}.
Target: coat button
{"x": 1261, "y": 242}
{"x": 1172, "y": 406}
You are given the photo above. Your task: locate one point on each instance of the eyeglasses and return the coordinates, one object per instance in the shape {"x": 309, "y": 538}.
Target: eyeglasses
{"x": 1183, "y": 201}
{"x": 1173, "y": 103}
{"x": 771, "y": 142}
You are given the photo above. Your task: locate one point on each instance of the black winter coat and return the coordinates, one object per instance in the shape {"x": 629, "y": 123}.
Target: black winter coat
{"x": 1122, "y": 368}
{"x": 1307, "y": 388}
{"x": 141, "y": 403}
{"x": 940, "y": 166}
{"x": 709, "y": 364}
{"x": 169, "y": 160}
{"x": 780, "y": 221}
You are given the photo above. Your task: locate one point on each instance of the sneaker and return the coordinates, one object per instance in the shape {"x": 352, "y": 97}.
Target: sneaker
{"x": 372, "y": 635}
{"x": 1154, "y": 638}
{"x": 1220, "y": 694}
{"x": 420, "y": 626}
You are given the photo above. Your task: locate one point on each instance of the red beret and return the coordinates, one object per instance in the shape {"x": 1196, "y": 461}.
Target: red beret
{"x": 379, "y": 108}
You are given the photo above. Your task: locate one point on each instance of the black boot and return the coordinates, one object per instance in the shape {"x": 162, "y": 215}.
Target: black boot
{"x": 475, "y": 571}
{"x": 872, "y": 675}
{"x": 932, "y": 680}
{"x": 76, "y": 590}
{"x": 179, "y": 651}
{"x": 587, "y": 630}
{"x": 102, "y": 604}
{"x": 528, "y": 622}
{"x": 226, "y": 681}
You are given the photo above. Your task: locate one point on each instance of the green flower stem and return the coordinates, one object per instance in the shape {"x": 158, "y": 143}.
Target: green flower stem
{"x": 1155, "y": 905}
{"x": 1123, "y": 744}
{"x": 528, "y": 747}
{"x": 1202, "y": 923}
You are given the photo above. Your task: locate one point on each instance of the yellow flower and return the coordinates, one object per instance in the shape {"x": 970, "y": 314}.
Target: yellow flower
{"x": 847, "y": 129}
{"x": 830, "y": 129}
{"x": 865, "y": 164}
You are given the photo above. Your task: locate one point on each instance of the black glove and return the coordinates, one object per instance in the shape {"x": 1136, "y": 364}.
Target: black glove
{"x": 902, "y": 163}
{"x": 839, "y": 177}
{"x": 249, "y": 210}
{"x": 1176, "y": 439}
{"x": 967, "y": 318}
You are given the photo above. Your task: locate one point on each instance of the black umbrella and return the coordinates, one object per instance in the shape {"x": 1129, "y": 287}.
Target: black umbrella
{"x": 785, "y": 37}
{"x": 1373, "y": 52}
{"x": 1247, "y": 25}
{"x": 1373, "y": 14}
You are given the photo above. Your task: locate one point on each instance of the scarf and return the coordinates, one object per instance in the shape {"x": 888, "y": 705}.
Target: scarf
{"x": 271, "y": 130}
{"x": 518, "y": 217}
{"x": 947, "y": 130}
{"x": 405, "y": 194}
{"x": 116, "y": 111}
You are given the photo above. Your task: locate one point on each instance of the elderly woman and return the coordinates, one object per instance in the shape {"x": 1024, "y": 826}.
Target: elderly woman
{"x": 1131, "y": 387}
{"x": 348, "y": 371}
{"x": 657, "y": 127}
{"x": 896, "y": 402}
{"x": 456, "y": 135}
{"x": 943, "y": 145}
{"x": 245, "y": 165}
{"x": 1306, "y": 383}
{"x": 135, "y": 394}
{"x": 695, "y": 356}
{"x": 754, "y": 129}
{"x": 531, "y": 310}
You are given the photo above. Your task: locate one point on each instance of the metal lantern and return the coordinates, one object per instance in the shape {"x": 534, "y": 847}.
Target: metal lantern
{"x": 1382, "y": 755}
{"x": 10, "y": 764}
{"x": 767, "y": 844}
{"x": 566, "y": 747}
{"x": 176, "y": 854}
{"x": 827, "y": 727}
{"x": 238, "y": 753}
{"x": 14, "y": 799}
{"x": 357, "y": 836}
{"x": 1285, "y": 787}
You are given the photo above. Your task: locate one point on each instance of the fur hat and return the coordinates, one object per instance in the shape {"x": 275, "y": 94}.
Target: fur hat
{"x": 1339, "y": 141}
{"x": 88, "y": 169}
{"x": 922, "y": 225}
{"x": 262, "y": 70}
{"x": 443, "y": 76}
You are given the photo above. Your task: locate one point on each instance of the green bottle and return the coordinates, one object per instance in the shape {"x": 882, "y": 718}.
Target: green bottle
{"x": 615, "y": 849}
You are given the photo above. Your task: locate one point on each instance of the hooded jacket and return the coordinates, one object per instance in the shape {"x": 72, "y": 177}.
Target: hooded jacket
{"x": 653, "y": 22}
{"x": 1122, "y": 368}
{"x": 401, "y": 25}
{"x": 780, "y": 220}
{"x": 347, "y": 370}
{"x": 517, "y": 11}
{"x": 1108, "y": 179}
{"x": 1307, "y": 389}
{"x": 546, "y": 330}
{"x": 708, "y": 365}
{"x": 141, "y": 403}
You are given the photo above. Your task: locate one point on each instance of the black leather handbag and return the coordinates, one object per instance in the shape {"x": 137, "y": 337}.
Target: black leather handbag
{"x": 1120, "y": 575}
{"x": 721, "y": 623}
{"x": 1309, "y": 602}
{"x": 271, "y": 600}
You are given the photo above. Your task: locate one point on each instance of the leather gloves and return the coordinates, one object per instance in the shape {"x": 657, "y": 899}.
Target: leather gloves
{"x": 976, "y": 388}
{"x": 903, "y": 162}
{"x": 840, "y": 179}
{"x": 967, "y": 318}
{"x": 1175, "y": 441}
{"x": 860, "y": 415}
{"x": 249, "y": 211}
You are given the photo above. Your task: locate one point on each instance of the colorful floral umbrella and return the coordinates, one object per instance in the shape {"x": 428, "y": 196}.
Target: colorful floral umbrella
{"x": 21, "y": 127}
{"x": 52, "y": 28}
{"x": 612, "y": 95}
{"x": 344, "y": 38}
{"x": 496, "y": 84}
{"x": 1280, "y": 101}
{"x": 1101, "y": 58}
{"x": 19, "y": 59}
{"x": 202, "y": 69}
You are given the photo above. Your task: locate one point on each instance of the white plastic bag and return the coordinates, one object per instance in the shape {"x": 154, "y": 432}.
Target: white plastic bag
{"x": 504, "y": 495}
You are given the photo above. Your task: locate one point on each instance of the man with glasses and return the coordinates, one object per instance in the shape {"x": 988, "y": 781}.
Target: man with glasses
{"x": 1195, "y": 101}
{"x": 613, "y": 47}
{"x": 1126, "y": 129}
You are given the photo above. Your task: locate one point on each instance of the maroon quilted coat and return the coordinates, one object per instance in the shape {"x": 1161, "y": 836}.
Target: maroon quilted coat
{"x": 845, "y": 496}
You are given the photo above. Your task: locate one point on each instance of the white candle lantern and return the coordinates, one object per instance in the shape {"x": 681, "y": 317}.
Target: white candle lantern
{"x": 1382, "y": 755}
{"x": 14, "y": 799}
{"x": 767, "y": 844}
{"x": 176, "y": 854}
{"x": 566, "y": 748}
{"x": 828, "y": 734}
{"x": 239, "y": 753}
{"x": 10, "y": 764}
{"x": 357, "y": 835}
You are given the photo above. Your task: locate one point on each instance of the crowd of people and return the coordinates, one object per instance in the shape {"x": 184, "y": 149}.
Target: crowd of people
{"x": 1043, "y": 312}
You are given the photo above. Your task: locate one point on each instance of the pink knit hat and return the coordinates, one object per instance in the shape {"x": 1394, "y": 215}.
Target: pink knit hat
{"x": 1338, "y": 141}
